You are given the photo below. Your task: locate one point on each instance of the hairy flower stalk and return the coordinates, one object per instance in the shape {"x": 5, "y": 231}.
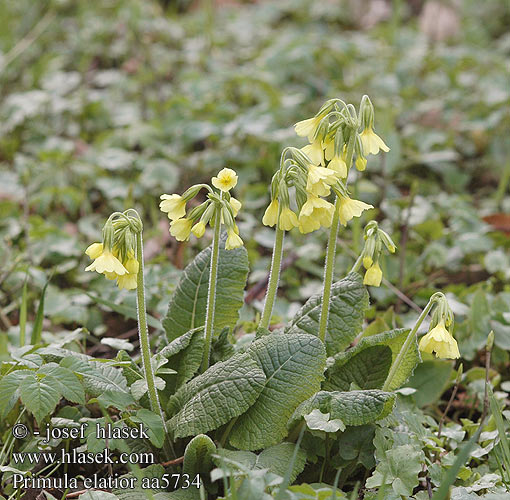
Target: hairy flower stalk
{"x": 274, "y": 277}
{"x": 120, "y": 257}
{"x": 143, "y": 331}
{"x": 442, "y": 317}
{"x": 307, "y": 176}
{"x": 211, "y": 294}
{"x": 329, "y": 266}
{"x": 219, "y": 208}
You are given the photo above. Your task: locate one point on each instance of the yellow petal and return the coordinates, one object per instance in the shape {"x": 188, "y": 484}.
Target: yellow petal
{"x": 288, "y": 219}
{"x": 181, "y": 229}
{"x": 174, "y": 205}
{"x": 271, "y": 214}
{"x": 94, "y": 250}
{"x": 233, "y": 240}
{"x": 373, "y": 276}
{"x": 198, "y": 229}
{"x": 225, "y": 180}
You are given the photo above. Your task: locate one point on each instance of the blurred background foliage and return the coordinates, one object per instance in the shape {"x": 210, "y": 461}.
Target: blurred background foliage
{"x": 105, "y": 105}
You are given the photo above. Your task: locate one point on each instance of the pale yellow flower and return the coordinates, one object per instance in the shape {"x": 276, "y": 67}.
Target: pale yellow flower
{"x": 320, "y": 179}
{"x": 307, "y": 128}
{"x": 129, "y": 281}
{"x": 373, "y": 276}
{"x": 174, "y": 205}
{"x": 198, "y": 229}
{"x": 338, "y": 164}
{"x": 236, "y": 205}
{"x": 372, "y": 143}
{"x": 180, "y": 229}
{"x": 288, "y": 219}
{"x": 225, "y": 180}
{"x": 94, "y": 250}
{"x": 361, "y": 163}
{"x": 350, "y": 208}
{"x": 314, "y": 152}
{"x": 367, "y": 261}
{"x": 107, "y": 263}
{"x": 315, "y": 213}
{"x": 440, "y": 341}
{"x": 233, "y": 240}
{"x": 329, "y": 148}
{"x": 271, "y": 214}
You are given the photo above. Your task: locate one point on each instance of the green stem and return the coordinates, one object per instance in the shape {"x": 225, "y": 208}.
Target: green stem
{"x": 211, "y": 295}
{"x": 405, "y": 347}
{"x": 231, "y": 424}
{"x": 329, "y": 268}
{"x": 328, "y": 271}
{"x": 143, "y": 333}
{"x": 326, "y": 458}
{"x": 357, "y": 265}
{"x": 143, "y": 330}
{"x": 274, "y": 278}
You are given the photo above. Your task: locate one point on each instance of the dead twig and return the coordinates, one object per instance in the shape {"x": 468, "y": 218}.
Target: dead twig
{"x": 176, "y": 461}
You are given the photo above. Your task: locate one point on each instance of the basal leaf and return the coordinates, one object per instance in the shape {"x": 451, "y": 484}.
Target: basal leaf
{"x": 348, "y": 303}
{"x": 352, "y": 408}
{"x": 430, "y": 380}
{"x": 187, "y": 307}
{"x": 154, "y": 425}
{"x": 40, "y": 394}
{"x": 197, "y": 456}
{"x": 293, "y": 365}
{"x": 368, "y": 363}
{"x": 210, "y": 400}
{"x": 185, "y": 355}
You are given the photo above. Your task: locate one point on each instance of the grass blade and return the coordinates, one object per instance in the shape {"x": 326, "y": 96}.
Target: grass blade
{"x": 38, "y": 323}
{"x": 23, "y": 314}
{"x": 500, "y": 425}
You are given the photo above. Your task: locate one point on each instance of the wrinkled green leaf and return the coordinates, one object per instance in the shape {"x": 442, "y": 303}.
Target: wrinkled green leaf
{"x": 210, "y": 400}
{"x": 185, "y": 355}
{"x": 187, "y": 307}
{"x": 293, "y": 365}
{"x": 348, "y": 303}
{"x": 352, "y": 408}
{"x": 198, "y": 456}
{"x": 368, "y": 363}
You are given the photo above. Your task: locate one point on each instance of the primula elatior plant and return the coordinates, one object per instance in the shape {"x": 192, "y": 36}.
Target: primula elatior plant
{"x": 339, "y": 136}
{"x": 219, "y": 208}
{"x": 318, "y": 377}
{"x": 120, "y": 256}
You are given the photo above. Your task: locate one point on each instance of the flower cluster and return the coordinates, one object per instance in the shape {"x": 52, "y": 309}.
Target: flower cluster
{"x": 375, "y": 238}
{"x": 335, "y": 134}
{"x": 115, "y": 256}
{"x": 184, "y": 223}
{"x": 439, "y": 340}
